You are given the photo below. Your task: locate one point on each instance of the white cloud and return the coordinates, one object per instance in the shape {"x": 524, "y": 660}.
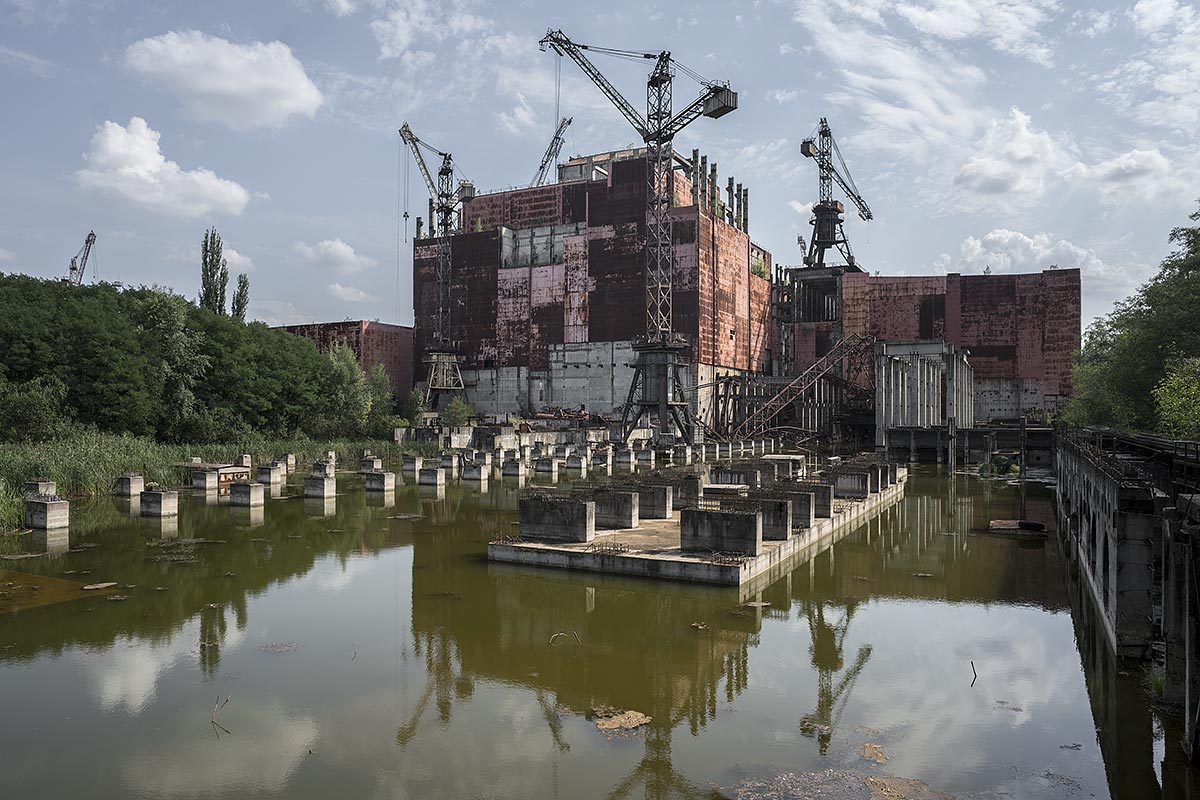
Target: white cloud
{"x": 127, "y": 161}
{"x": 348, "y": 294}
{"x": 242, "y": 86}
{"x": 334, "y": 254}
{"x": 342, "y": 8}
{"x": 1009, "y": 26}
{"x": 237, "y": 262}
{"x": 782, "y": 96}
{"x": 1157, "y": 84}
{"x": 275, "y": 313}
{"x": 407, "y": 21}
{"x": 1014, "y": 159}
{"x": 521, "y": 119}
{"x": 1092, "y": 23}
{"x": 803, "y": 209}
{"x": 27, "y": 62}
{"x": 911, "y": 100}
{"x": 7, "y": 256}
{"x": 786, "y": 49}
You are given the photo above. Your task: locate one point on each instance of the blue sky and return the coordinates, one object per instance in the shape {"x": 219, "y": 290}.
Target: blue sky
{"x": 1009, "y": 134}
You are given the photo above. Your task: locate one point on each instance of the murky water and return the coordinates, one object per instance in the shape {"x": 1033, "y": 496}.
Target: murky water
{"x": 371, "y": 653}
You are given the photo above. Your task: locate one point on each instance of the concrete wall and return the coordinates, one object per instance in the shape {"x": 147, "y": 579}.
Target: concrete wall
{"x": 557, "y": 520}
{"x": 373, "y": 343}
{"x": 720, "y": 531}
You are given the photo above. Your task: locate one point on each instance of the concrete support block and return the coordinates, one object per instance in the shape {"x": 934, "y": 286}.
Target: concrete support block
{"x": 822, "y": 498}
{"x": 682, "y": 455}
{"x": 803, "y": 508}
{"x": 688, "y": 490}
{"x": 577, "y": 466}
{"x": 130, "y": 484}
{"x": 719, "y": 490}
{"x": 271, "y": 474}
{"x": 370, "y": 464}
{"x": 720, "y": 531}
{"x": 563, "y": 451}
{"x": 323, "y": 469}
{"x": 431, "y": 476}
{"x": 46, "y": 514}
{"x": 205, "y": 479}
{"x": 411, "y": 465}
{"x": 159, "y": 504}
{"x": 776, "y": 517}
{"x": 615, "y": 509}
{"x": 476, "y": 473}
{"x": 244, "y": 460}
{"x": 547, "y": 466}
{"x": 38, "y": 486}
{"x": 853, "y": 485}
{"x": 874, "y": 478}
{"x": 513, "y": 469}
{"x": 245, "y": 493}
{"x": 289, "y": 462}
{"x": 625, "y": 459}
{"x": 483, "y": 459}
{"x": 602, "y": 458}
{"x": 450, "y": 465}
{"x": 380, "y": 481}
{"x": 557, "y": 519}
{"x": 331, "y": 457}
{"x": 645, "y": 457}
{"x": 656, "y": 502}
{"x": 320, "y": 487}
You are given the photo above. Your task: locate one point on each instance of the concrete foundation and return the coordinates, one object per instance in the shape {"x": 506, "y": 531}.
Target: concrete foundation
{"x": 557, "y": 520}
{"x": 411, "y": 465}
{"x": 656, "y": 502}
{"x": 431, "y": 476}
{"x": 320, "y": 487}
{"x": 616, "y": 509}
{"x": 370, "y": 464}
{"x": 271, "y": 474}
{"x": 323, "y": 469}
{"x": 130, "y": 485}
{"x": 159, "y": 504}
{"x": 44, "y": 513}
{"x": 244, "y": 460}
{"x": 703, "y": 531}
{"x": 379, "y": 481}
{"x": 205, "y": 479}
{"x": 247, "y": 494}
{"x": 513, "y": 469}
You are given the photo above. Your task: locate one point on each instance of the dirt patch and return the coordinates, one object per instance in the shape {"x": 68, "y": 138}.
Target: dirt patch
{"x": 611, "y": 721}
{"x": 21, "y": 590}
{"x": 874, "y": 752}
{"x": 833, "y": 784}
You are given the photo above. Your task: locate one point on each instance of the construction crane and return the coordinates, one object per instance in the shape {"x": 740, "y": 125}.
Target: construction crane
{"x": 79, "y": 261}
{"x": 443, "y": 374}
{"x": 827, "y": 212}
{"x": 555, "y": 147}
{"x": 657, "y": 387}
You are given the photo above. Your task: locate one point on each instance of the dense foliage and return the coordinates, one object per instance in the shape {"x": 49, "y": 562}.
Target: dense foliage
{"x": 150, "y": 363}
{"x": 1140, "y": 365}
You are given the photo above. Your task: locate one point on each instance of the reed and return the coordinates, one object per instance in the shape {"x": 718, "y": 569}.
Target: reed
{"x": 88, "y": 462}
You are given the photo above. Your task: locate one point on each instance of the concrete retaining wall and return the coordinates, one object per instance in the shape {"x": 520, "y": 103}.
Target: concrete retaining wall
{"x": 557, "y": 519}
{"x": 720, "y": 531}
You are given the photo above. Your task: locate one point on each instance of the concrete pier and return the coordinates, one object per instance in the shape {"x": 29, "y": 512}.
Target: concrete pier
{"x": 289, "y": 462}
{"x": 513, "y": 469}
{"x": 205, "y": 479}
{"x": 248, "y": 494}
{"x": 720, "y": 531}
{"x": 616, "y": 509}
{"x": 47, "y": 512}
{"x": 271, "y": 474}
{"x": 379, "y": 481}
{"x": 130, "y": 484}
{"x": 159, "y": 503}
{"x": 476, "y": 473}
{"x": 431, "y": 476}
{"x": 244, "y": 460}
{"x": 411, "y": 465}
{"x": 655, "y": 501}
{"x": 557, "y": 519}
{"x": 370, "y": 464}
{"x": 320, "y": 487}
{"x": 40, "y": 486}
{"x": 323, "y": 469}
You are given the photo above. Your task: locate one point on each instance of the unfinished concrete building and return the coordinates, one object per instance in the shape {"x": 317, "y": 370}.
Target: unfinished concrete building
{"x": 548, "y": 286}
{"x": 373, "y": 342}
{"x": 921, "y": 386}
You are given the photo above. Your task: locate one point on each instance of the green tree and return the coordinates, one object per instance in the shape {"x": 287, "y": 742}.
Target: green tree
{"x": 1177, "y": 400}
{"x": 1127, "y": 355}
{"x": 214, "y": 272}
{"x": 33, "y": 411}
{"x": 381, "y": 418}
{"x": 458, "y": 412}
{"x": 347, "y": 393}
{"x": 174, "y": 351}
{"x": 413, "y": 407}
{"x": 241, "y": 298}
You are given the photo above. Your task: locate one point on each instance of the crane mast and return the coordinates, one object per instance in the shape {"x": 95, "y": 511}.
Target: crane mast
{"x": 657, "y": 387}
{"x": 828, "y": 231}
{"x": 551, "y": 156}
{"x": 79, "y": 261}
{"x": 443, "y": 373}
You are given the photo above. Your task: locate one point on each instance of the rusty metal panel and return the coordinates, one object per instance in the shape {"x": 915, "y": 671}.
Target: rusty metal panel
{"x": 616, "y": 282}
{"x": 512, "y": 317}
{"x": 575, "y": 303}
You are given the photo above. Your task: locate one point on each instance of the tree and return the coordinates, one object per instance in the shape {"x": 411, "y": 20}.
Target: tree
{"x": 174, "y": 352}
{"x": 381, "y": 418}
{"x": 214, "y": 273}
{"x": 1128, "y": 355}
{"x": 349, "y": 401}
{"x": 1177, "y": 400}
{"x": 241, "y": 298}
{"x": 458, "y": 412}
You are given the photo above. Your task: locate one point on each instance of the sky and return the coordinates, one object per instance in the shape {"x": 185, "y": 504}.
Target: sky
{"x": 1006, "y": 135}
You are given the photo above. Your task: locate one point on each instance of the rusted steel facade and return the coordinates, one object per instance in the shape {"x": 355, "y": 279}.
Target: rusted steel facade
{"x": 565, "y": 263}
{"x": 373, "y": 343}
{"x": 1022, "y": 331}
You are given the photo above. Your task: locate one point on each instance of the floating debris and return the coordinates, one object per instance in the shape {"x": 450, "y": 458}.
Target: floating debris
{"x": 279, "y": 647}
{"x": 756, "y": 604}
{"x": 874, "y": 752}
{"x": 922, "y": 574}
{"x": 1004, "y": 705}
{"x": 608, "y": 718}
{"x": 404, "y": 516}
{"x": 700, "y": 626}
{"x": 20, "y": 556}
{"x": 1072, "y": 746}
{"x": 117, "y": 598}
{"x": 95, "y": 587}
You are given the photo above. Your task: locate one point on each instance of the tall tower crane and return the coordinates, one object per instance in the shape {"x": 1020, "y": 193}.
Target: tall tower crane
{"x": 79, "y": 261}
{"x": 556, "y": 145}
{"x": 827, "y": 212}
{"x": 443, "y": 373}
{"x": 656, "y": 388}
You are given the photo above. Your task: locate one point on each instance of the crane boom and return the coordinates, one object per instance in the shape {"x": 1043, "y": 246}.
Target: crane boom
{"x": 79, "y": 261}
{"x": 414, "y": 144}
{"x": 552, "y": 151}
{"x": 563, "y": 46}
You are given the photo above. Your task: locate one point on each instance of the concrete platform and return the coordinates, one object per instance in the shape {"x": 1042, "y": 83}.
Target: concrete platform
{"x": 653, "y": 549}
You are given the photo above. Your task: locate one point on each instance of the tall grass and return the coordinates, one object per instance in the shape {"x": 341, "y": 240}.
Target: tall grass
{"x": 87, "y": 462}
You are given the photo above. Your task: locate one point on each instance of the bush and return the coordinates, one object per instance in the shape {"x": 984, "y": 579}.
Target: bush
{"x": 458, "y": 412}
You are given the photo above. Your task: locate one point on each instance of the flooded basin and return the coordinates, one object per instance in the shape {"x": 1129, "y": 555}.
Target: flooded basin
{"x": 362, "y": 646}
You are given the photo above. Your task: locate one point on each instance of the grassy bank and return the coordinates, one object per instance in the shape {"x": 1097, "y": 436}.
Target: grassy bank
{"x": 89, "y": 462}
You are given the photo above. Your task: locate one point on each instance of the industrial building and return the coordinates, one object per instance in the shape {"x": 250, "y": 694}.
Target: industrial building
{"x": 547, "y": 295}
{"x": 372, "y": 341}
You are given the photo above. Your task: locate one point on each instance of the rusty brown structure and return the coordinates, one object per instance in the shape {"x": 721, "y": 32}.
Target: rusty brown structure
{"x": 548, "y": 291}
{"x": 373, "y": 342}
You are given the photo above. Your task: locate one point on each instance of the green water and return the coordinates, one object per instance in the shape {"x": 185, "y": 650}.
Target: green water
{"x": 371, "y": 653}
